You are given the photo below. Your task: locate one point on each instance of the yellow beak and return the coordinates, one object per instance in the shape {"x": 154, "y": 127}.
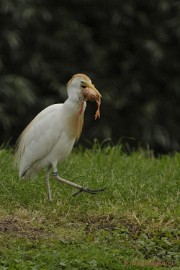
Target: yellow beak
{"x": 92, "y": 94}
{"x": 92, "y": 87}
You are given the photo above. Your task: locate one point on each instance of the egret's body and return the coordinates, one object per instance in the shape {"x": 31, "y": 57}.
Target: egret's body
{"x": 50, "y": 137}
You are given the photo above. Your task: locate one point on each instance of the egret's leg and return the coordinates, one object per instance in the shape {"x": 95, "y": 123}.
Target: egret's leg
{"x": 48, "y": 186}
{"x": 64, "y": 181}
{"x": 81, "y": 188}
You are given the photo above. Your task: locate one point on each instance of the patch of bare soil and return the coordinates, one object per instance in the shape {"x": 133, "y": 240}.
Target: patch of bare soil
{"x": 20, "y": 228}
{"x": 110, "y": 223}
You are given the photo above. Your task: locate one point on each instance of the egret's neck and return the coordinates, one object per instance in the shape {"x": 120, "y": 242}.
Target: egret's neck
{"x": 74, "y": 116}
{"x": 75, "y": 106}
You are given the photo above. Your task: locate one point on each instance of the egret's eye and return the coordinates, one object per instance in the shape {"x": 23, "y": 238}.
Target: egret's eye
{"x": 83, "y": 85}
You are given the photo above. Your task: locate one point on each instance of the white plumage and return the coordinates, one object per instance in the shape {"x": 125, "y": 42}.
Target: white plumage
{"x": 50, "y": 137}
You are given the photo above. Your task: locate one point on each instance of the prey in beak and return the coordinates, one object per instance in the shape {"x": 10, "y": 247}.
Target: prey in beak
{"x": 92, "y": 94}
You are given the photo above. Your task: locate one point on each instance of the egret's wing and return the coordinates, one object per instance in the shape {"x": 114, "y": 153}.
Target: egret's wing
{"x": 39, "y": 136}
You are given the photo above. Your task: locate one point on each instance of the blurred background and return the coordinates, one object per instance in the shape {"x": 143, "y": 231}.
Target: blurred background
{"x": 130, "y": 50}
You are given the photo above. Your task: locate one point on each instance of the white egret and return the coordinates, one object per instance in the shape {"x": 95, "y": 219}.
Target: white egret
{"x": 50, "y": 137}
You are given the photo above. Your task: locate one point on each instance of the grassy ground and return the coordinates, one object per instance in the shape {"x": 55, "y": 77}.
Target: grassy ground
{"x": 133, "y": 224}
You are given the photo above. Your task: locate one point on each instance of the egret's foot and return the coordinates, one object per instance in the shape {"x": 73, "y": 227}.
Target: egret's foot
{"x": 88, "y": 190}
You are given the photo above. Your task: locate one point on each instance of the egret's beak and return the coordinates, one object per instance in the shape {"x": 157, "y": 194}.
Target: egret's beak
{"x": 92, "y": 94}
{"x": 90, "y": 91}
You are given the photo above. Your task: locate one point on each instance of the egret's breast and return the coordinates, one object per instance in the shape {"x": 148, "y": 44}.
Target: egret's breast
{"x": 75, "y": 125}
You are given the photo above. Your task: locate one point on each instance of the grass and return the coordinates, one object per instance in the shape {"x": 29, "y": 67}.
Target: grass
{"x": 133, "y": 224}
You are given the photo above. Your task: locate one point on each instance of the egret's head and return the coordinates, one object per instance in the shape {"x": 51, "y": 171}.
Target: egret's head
{"x": 81, "y": 86}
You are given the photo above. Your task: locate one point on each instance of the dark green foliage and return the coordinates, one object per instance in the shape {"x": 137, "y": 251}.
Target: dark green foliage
{"x": 130, "y": 49}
